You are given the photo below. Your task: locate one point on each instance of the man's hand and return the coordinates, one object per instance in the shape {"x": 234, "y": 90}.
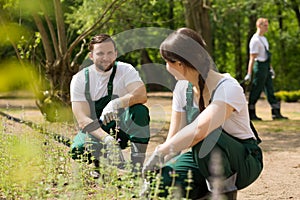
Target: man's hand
{"x": 110, "y": 111}
{"x": 247, "y": 78}
{"x": 155, "y": 162}
{"x": 113, "y": 151}
{"x": 272, "y": 73}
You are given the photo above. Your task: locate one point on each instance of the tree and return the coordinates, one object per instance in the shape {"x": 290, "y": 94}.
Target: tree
{"x": 59, "y": 60}
{"x": 197, "y": 16}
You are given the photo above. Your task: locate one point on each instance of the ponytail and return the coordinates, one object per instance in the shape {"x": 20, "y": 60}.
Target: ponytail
{"x": 201, "y": 83}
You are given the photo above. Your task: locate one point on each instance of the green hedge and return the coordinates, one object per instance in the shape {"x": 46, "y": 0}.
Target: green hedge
{"x": 288, "y": 96}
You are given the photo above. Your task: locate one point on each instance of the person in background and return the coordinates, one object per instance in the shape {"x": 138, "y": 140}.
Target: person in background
{"x": 260, "y": 65}
{"x": 113, "y": 92}
{"x": 209, "y": 114}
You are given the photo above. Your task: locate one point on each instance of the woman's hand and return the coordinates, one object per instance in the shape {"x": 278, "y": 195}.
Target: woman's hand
{"x": 155, "y": 162}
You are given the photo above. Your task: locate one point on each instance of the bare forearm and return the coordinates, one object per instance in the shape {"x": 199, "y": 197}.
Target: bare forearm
{"x": 250, "y": 66}
{"x": 184, "y": 139}
{"x": 195, "y": 132}
{"x": 131, "y": 99}
{"x": 81, "y": 112}
{"x": 178, "y": 121}
{"x": 137, "y": 95}
{"x": 251, "y": 62}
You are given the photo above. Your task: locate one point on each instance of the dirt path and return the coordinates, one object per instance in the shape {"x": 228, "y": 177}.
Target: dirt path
{"x": 280, "y": 178}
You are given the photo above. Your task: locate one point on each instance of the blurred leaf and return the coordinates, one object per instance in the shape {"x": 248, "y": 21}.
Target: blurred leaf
{"x": 14, "y": 76}
{"x": 12, "y": 33}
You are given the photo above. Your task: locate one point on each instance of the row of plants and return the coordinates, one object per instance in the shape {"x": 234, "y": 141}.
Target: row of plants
{"x": 35, "y": 166}
{"x": 288, "y": 96}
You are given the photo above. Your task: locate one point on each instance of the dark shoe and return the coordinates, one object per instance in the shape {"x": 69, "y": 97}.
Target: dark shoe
{"x": 253, "y": 116}
{"x": 277, "y": 115}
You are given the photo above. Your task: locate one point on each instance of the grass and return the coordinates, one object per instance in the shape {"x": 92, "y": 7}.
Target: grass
{"x": 34, "y": 166}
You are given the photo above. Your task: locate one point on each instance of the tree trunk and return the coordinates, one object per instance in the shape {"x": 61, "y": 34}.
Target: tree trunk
{"x": 238, "y": 53}
{"x": 55, "y": 103}
{"x": 252, "y": 29}
{"x": 155, "y": 76}
{"x": 171, "y": 14}
{"x": 295, "y": 7}
{"x": 197, "y": 18}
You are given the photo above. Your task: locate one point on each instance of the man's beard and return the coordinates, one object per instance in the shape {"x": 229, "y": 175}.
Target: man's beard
{"x": 105, "y": 70}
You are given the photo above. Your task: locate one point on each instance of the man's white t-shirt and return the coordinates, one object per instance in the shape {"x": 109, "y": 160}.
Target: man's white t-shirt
{"x": 257, "y": 46}
{"x": 125, "y": 74}
{"x": 229, "y": 92}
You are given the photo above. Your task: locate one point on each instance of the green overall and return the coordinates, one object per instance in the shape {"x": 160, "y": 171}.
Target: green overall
{"x": 240, "y": 157}
{"x": 133, "y": 124}
{"x": 262, "y": 81}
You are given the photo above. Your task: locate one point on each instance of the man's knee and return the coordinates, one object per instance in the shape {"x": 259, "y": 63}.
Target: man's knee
{"x": 139, "y": 113}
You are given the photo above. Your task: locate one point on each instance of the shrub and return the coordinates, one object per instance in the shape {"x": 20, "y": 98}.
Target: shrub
{"x": 288, "y": 96}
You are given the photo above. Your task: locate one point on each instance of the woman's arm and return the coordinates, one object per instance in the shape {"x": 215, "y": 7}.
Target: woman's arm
{"x": 178, "y": 121}
{"x": 211, "y": 118}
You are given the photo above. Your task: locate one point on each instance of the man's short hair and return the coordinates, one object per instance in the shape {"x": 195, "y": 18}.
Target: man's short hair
{"x": 100, "y": 39}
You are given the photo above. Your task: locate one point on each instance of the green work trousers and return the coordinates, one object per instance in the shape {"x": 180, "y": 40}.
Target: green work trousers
{"x": 133, "y": 126}
{"x": 240, "y": 157}
{"x": 262, "y": 81}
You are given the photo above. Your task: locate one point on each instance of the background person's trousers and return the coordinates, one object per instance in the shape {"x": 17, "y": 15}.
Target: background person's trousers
{"x": 262, "y": 81}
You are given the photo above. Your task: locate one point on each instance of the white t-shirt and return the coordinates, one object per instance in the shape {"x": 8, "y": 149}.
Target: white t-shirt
{"x": 257, "y": 46}
{"x": 125, "y": 74}
{"x": 230, "y": 92}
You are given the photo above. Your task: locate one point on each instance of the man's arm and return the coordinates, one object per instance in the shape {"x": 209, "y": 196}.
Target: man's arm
{"x": 250, "y": 66}
{"x": 136, "y": 95}
{"x": 251, "y": 63}
{"x": 81, "y": 111}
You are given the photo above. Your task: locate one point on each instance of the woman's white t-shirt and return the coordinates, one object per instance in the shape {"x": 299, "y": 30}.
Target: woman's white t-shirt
{"x": 230, "y": 92}
{"x": 125, "y": 74}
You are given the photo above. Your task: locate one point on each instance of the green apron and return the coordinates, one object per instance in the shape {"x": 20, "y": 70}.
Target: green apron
{"x": 243, "y": 157}
{"x": 133, "y": 124}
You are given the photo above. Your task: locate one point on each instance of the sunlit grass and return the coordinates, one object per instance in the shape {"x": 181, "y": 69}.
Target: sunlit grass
{"x": 33, "y": 164}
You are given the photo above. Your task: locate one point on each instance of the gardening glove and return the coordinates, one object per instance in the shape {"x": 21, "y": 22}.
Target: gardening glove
{"x": 171, "y": 156}
{"x": 110, "y": 111}
{"x": 272, "y": 73}
{"x": 154, "y": 163}
{"x": 113, "y": 151}
{"x": 145, "y": 190}
{"x": 247, "y": 78}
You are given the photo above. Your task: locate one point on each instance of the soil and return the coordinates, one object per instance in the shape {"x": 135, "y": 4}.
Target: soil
{"x": 280, "y": 178}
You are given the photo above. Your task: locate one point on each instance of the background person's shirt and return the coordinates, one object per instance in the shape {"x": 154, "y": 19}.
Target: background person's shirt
{"x": 257, "y": 46}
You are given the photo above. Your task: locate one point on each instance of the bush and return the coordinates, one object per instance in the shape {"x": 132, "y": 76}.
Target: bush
{"x": 288, "y": 96}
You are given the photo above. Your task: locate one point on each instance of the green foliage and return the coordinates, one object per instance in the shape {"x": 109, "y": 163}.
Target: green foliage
{"x": 16, "y": 76}
{"x": 229, "y": 19}
{"x": 288, "y": 96}
{"x": 34, "y": 165}
{"x": 12, "y": 32}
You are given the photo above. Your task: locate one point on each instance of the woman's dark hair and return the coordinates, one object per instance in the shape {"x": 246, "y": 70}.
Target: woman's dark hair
{"x": 100, "y": 39}
{"x": 187, "y": 46}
